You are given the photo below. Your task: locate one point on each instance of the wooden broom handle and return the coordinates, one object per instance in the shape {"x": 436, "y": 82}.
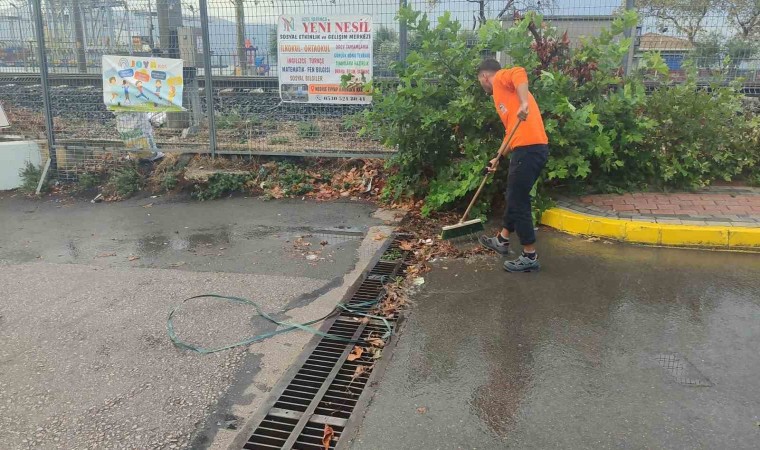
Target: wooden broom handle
{"x": 503, "y": 146}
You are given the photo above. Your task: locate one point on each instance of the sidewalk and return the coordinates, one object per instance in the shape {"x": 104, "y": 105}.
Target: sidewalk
{"x": 721, "y": 217}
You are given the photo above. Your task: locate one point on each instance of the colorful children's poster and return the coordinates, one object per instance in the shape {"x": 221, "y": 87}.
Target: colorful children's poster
{"x": 313, "y": 53}
{"x": 137, "y": 84}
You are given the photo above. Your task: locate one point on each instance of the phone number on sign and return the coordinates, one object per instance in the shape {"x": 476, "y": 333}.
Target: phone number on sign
{"x": 341, "y": 98}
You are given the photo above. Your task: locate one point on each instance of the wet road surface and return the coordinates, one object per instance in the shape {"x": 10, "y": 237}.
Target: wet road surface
{"x": 609, "y": 346}
{"x": 85, "y": 290}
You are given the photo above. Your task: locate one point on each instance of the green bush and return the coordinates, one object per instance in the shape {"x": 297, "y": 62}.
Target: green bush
{"x": 279, "y": 140}
{"x": 88, "y": 180}
{"x": 700, "y": 135}
{"x": 308, "y": 130}
{"x": 605, "y": 133}
{"x": 30, "y": 178}
{"x": 170, "y": 180}
{"x": 234, "y": 119}
{"x": 221, "y": 184}
{"x": 125, "y": 181}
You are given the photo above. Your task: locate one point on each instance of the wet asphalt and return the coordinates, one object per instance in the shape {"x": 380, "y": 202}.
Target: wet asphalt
{"x": 85, "y": 289}
{"x": 609, "y": 346}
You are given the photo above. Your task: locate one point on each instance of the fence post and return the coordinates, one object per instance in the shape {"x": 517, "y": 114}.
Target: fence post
{"x": 402, "y": 35}
{"x": 628, "y": 62}
{"x": 42, "y": 60}
{"x": 208, "y": 85}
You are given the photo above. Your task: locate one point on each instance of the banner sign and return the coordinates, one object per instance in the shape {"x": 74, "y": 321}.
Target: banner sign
{"x": 137, "y": 84}
{"x": 314, "y": 52}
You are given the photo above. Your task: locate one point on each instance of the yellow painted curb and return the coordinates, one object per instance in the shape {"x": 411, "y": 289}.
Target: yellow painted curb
{"x": 652, "y": 233}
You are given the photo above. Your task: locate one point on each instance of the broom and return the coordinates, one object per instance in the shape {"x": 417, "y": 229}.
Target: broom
{"x": 464, "y": 228}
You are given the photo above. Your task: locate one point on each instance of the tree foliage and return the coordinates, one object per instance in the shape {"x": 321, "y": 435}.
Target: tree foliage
{"x": 602, "y": 134}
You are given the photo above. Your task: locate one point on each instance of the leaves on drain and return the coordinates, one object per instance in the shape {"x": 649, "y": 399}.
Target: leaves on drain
{"x": 360, "y": 370}
{"x": 406, "y": 246}
{"x": 376, "y": 342}
{"x": 327, "y": 436}
{"x": 356, "y": 353}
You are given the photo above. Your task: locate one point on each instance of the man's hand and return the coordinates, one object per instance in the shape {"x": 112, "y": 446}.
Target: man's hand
{"x": 493, "y": 164}
{"x": 522, "y": 113}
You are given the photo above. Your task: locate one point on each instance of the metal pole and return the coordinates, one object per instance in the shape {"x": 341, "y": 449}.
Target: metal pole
{"x": 241, "y": 49}
{"x": 402, "y": 35}
{"x": 80, "y": 42}
{"x": 208, "y": 78}
{"x": 628, "y": 62}
{"x": 42, "y": 58}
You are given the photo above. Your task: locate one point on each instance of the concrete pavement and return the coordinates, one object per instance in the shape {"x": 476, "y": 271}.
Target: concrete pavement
{"x": 595, "y": 351}
{"x": 86, "y": 288}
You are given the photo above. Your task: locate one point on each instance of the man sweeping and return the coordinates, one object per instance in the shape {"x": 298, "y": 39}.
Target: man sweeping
{"x": 529, "y": 150}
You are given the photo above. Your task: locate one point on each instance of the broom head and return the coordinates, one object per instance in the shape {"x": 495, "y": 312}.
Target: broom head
{"x": 462, "y": 229}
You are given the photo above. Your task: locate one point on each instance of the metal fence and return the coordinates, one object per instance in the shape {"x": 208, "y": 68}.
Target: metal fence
{"x": 231, "y": 65}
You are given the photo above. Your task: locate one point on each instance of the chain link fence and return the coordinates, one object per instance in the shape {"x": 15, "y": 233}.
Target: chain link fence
{"x": 236, "y": 77}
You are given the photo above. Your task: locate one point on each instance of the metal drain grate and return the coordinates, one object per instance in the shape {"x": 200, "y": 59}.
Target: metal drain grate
{"x": 682, "y": 370}
{"x": 324, "y": 390}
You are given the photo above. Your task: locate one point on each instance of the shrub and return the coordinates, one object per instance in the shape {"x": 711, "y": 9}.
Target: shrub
{"x": 605, "y": 134}
{"x": 30, "y": 178}
{"x": 279, "y": 140}
{"x": 88, "y": 180}
{"x": 125, "y": 181}
{"x": 170, "y": 181}
{"x": 221, "y": 184}
{"x": 308, "y": 130}
{"x": 700, "y": 135}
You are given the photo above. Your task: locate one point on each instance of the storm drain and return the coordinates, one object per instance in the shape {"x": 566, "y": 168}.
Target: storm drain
{"x": 327, "y": 387}
{"x": 682, "y": 370}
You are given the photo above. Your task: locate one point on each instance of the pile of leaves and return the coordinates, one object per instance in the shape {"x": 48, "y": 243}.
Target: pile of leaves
{"x": 208, "y": 179}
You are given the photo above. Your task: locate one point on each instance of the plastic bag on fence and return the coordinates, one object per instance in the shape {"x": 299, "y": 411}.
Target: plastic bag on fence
{"x": 136, "y": 131}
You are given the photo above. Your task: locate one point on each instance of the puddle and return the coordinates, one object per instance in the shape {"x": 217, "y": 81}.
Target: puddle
{"x": 155, "y": 245}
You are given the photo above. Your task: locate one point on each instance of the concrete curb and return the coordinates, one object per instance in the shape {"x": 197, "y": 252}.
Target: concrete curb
{"x": 723, "y": 237}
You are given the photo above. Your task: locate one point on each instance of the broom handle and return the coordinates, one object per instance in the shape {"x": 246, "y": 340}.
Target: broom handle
{"x": 504, "y": 145}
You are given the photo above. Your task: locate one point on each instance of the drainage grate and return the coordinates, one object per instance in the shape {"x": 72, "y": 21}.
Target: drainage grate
{"x": 325, "y": 389}
{"x": 682, "y": 370}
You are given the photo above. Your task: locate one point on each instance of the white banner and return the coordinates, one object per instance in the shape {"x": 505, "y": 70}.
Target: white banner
{"x": 138, "y": 84}
{"x": 313, "y": 53}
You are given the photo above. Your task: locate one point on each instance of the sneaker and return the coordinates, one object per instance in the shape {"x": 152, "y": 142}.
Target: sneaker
{"x": 522, "y": 264}
{"x": 492, "y": 243}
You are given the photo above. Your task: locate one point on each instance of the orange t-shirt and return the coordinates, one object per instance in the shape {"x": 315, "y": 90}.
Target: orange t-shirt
{"x": 531, "y": 132}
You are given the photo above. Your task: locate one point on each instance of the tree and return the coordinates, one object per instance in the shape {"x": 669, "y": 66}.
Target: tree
{"x": 745, "y": 15}
{"x": 708, "y": 50}
{"x": 739, "y": 50}
{"x": 503, "y": 8}
{"x": 687, "y": 16}
{"x": 273, "y": 45}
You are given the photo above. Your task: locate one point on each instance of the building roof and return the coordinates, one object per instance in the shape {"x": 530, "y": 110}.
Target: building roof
{"x": 661, "y": 42}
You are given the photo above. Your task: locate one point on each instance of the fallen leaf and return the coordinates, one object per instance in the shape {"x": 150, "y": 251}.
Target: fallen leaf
{"x": 323, "y": 243}
{"x": 406, "y": 246}
{"x": 356, "y": 353}
{"x": 422, "y": 410}
{"x": 106, "y": 255}
{"x": 327, "y": 436}
{"x": 376, "y": 342}
{"x": 177, "y": 264}
{"x": 133, "y": 258}
{"x": 380, "y": 236}
{"x": 149, "y": 205}
{"x": 358, "y": 372}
